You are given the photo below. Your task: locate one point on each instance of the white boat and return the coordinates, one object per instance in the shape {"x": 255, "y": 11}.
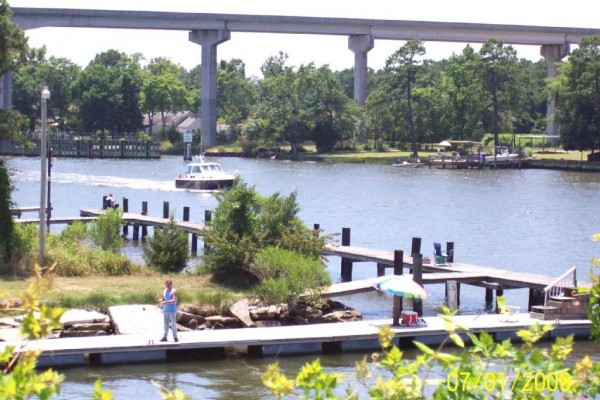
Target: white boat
{"x": 408, "y": 164}
{"x": 502, "y": 156}
{"x": 204, "y": 175}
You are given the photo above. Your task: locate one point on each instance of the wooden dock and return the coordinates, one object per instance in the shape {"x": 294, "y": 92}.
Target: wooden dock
{"x": 275, "y": 341}
{"x": 145, "y": 220}
{"x": 458, "y": 271}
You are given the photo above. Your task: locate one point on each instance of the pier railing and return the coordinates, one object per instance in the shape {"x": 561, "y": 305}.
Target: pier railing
{"x": 92, "y": 148}
{"x": 557, "y": 287}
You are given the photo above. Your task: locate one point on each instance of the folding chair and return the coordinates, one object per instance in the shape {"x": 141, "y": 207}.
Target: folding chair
{"x": 505, "y": 310}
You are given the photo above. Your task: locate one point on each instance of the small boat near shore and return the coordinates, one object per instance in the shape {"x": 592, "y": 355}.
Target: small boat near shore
{"x": 408, "y": 164}
{"x": 204, "y": 175}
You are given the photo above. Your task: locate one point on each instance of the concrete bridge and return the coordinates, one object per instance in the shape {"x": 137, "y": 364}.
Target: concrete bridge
{"x": 210, "y": 30}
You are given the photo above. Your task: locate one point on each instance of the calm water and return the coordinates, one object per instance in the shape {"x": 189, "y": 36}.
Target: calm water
{"x": 530, "y": 220}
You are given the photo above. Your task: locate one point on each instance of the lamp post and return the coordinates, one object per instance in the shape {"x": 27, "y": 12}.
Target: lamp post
{"x": 45, "y": 95}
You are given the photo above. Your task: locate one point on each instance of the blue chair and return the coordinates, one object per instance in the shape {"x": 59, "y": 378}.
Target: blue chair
{"x": 439, "y": 257}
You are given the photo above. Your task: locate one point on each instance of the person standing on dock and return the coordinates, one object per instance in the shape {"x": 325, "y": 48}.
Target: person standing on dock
{"x": 169, "y": 305}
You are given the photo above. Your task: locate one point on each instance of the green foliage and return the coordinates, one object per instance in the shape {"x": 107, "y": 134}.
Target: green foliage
{"x": 19, "y": 378}
{"x": 285, "y": 275}
{"x": 579, "y": 96}
{"x": 13, "y": 43}
{"x": 24, "y": 245}
{"x": 167, "y": 250}
{"x": 106, "y": 230}
{"x": 246, "y": 222}
{"x": 6, "y": 220}
{"x": 594, "y": 302}
{"x": 485, "y": 369}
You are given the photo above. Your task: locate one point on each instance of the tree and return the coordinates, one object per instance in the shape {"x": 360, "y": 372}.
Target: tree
{"x": 105, "y": 103}
{"x": 236, "y": 95}
{"x": 167, "y": 250}
{"x": 498, "y": 75}
{"x": 274, "y": 65}
{"x": 404, "y": 63}
{"x": 578, "y": 87}
{"x": 26, "y": 86}
{"x": 13, "y": 43}
{"x": 465, "y": 96}
{"x": 6, "y": 219}
{"x": 105, "y": 231}
{"x": 245, "y": 222}
{"x": 163, "y": 90}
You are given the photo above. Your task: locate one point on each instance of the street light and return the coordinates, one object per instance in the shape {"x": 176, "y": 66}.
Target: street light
{"x": 45, "y": 96}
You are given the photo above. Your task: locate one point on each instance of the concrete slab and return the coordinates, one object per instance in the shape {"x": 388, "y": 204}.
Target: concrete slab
{"x": 137, "y": 319}
{"x": 78, "y": 316}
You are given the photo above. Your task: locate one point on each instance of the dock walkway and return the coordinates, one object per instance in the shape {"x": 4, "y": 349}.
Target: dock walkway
{"x": 462, "y": 272}
{"x": 274, "y": 341}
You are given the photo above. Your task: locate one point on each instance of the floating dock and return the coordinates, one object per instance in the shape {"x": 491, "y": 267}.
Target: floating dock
{"x": 274, "y": 341}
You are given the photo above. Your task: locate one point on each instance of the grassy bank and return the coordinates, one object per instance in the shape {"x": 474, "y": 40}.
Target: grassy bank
{"x": 100, "y": 292}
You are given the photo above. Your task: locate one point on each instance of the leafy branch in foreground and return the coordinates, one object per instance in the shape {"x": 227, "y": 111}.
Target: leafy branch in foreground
{"x": 485, "y": 369}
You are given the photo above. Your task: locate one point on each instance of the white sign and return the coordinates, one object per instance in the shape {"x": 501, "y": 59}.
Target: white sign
{"x": 187, "y": 137}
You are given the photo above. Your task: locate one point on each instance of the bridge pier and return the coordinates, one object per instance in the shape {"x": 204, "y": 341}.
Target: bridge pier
{"x": 209, "y": 39}
{"x": 6, "y": 92}
{"x": 552, "y": 53}
{"x": 360, "y": 46}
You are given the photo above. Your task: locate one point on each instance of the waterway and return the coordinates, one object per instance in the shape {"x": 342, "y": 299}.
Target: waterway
{"x": 521, "y": 220}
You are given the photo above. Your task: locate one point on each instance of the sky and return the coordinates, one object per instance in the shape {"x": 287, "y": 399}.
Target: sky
{"x": 80, "y": 45}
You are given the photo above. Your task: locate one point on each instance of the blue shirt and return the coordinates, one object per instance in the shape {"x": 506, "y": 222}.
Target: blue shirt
{"x": 167, "y": 296}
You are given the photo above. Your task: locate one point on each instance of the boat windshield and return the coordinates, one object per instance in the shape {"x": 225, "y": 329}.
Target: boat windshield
{"x": 193, "y": 169}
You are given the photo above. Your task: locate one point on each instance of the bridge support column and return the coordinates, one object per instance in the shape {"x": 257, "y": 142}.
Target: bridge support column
{"x": 209, "y": 39}
{"x": 552, "y": 53}
{"x": 360, "y": 45}
{"x": 6, "y": 92}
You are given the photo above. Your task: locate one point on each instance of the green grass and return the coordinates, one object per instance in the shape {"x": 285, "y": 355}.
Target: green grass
{"x": 100, "y": 292}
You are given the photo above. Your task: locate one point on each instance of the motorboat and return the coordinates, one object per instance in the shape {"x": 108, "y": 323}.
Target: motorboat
{"x": 408, "y": 164}
{"x": 502, "y": 156}
{"x": 204, "y": 175}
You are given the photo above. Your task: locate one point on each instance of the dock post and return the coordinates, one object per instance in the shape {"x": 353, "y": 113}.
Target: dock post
{"x": 165, "y": 209}
{"x": 418, "y": 277}
{"x": 415, "y": 248}
{"x": 398, "y": 262}
{"x": 396, "y": 310}
{"x": 144, "y": 226}
{"x": 186, "y": 214}
{"x": 380, "y": 269}
{"x": 452, "y": 295}
{"x": 316, "y": 230}
{"x": 489, "y": 299}
{"x": 104, "y": 204}
{"x": 207, "y": 219}
{"x": 499, "y": 292}
{"x": 125, "y": 209}
{"x": 449, "y": 252}
{"x": 346, "y": 265}
{"x": 194, "y": 243}
{"x": 136, "y": 232}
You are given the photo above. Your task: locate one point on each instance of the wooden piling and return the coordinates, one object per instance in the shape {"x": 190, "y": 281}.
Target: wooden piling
{"x": 207, "y": 219}
{"x": 316, "y": 230}
{"x": 144, "y": 226}
{"x": 136, "y": 232}
{"x": 165, "y": 209}
{"x": 418, "y": 277}
{"x": 380, "y": 269}
{"x": 195, "y": 243}
{"x": 416, "y": 246}
{"x": 449, "y": 252}
{"x": 396, "y": 310}
{"x": 398, "y": 262}
{"x": 346, "y": 265}
{"x": 489, "y": 299}
{"x": 452, "y": 295}
{"x": 125, "y": 205}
